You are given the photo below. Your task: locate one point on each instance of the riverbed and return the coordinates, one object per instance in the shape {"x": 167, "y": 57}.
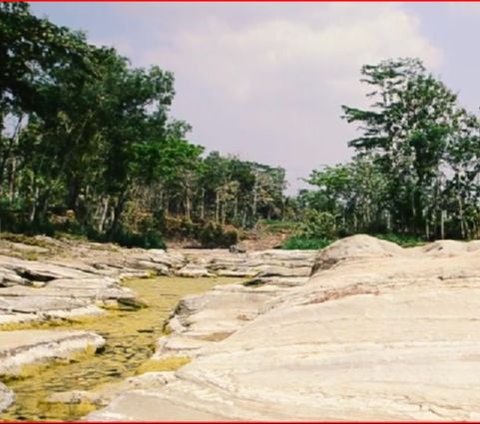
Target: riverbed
{"x": 130, "y": 341}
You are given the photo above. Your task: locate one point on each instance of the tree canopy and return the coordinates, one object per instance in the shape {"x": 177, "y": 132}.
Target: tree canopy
{"x": 86, "y": 135}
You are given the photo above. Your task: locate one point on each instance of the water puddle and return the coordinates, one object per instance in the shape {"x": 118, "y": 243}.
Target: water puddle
{"x": 130, "y": 341}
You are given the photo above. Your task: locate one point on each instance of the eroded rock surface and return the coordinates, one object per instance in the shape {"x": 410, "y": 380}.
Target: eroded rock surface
{"x": 68, "y": 279}
{"x": 377, "y": 333}
{"x": 21, "y": 347}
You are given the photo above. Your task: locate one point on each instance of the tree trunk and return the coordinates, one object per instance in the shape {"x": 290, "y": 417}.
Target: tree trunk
{"x": 254, "y": 205}
{"x": 217, "y": 206}
{"x": 235, "y": 208}
{"x": 117, "y": 212}
{"x": 103, "y": 216}
{"x": 188, "y": 206}
{"x": 442, "y": 224}
{"x": 33, "y": 211}
{"x": 462, "y": 218}
{"x": 202, "y": 205}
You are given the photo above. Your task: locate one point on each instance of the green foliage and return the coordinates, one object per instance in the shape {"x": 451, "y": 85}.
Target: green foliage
{"x": 402, "y": 239}
{"x": 418, "y": 137}
{"x": 215, "y": 236}
{"x": 304, "y": 243}
{"x": 318, "y": 225}
{"x": 151, "y": 239}
{"x": 85, "y": 134}
{"x": 84, "y": 131}
{"x": 275, "y": 226}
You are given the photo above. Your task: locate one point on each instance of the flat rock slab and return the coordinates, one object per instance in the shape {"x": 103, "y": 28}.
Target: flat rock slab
{"x": 377, "y": 333}
{"x": 40, "y": 271}
{"x": 145, "y": 406}
{"x": 18, "y": 348}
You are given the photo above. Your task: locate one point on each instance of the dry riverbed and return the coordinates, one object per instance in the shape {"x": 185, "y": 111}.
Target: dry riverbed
{"x": 81, "y": 322}
{"x": 362, "y": 330}
{"x": 130, "y": 337}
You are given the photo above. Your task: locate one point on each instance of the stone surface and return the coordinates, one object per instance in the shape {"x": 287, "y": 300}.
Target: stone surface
{"x": 6, "y": 397}
{"x": 69, "y": 278}
{"x": 104, "y": 394}
{"x": 377, "y": 333}
{"x": 22, "y": 347}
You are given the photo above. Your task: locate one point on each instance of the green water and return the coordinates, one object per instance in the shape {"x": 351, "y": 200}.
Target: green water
{"x": 130, "y": 340}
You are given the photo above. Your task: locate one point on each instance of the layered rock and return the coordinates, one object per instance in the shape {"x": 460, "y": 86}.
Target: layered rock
{"x": 377, "y": 333}
{"x": 70, "y": 279}
{"x": 22, "y": 347}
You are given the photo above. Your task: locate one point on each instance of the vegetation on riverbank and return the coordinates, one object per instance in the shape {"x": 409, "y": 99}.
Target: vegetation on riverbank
{"x": 88, "y": 147}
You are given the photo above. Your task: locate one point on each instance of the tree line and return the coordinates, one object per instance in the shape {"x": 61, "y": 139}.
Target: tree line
{"x": 88, "y": 146}
{"x": 88, "y": 143}
{"x": 416, "y": 169}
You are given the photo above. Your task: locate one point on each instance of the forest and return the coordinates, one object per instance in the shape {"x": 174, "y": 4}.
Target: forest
{"x": 88, "y": 147}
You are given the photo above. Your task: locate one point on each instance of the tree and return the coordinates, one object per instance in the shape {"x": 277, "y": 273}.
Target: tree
{"x": 412, "y": 119}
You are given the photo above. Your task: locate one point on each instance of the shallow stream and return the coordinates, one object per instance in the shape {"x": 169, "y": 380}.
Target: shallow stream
{"x": 130, "y": 341}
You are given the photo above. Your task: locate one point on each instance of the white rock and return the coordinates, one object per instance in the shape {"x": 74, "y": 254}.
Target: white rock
{"x": 18, "y": 348}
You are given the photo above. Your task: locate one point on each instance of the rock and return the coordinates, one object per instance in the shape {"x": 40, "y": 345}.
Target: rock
{"x": 106, "y": 392}
{"x": 18, "y": 348}
{"x": 27, "y": 248}
{"x": 356, "y": 247}
{"x": 6, "y": 397}
{"x": 146, "y": 406}
{"x": 212, "y": 316}
{"x": 377, "y": 333}
{"x": 193, "y": 271}
{"x": 236, "y": 248}
{"x": 39, "y": 271}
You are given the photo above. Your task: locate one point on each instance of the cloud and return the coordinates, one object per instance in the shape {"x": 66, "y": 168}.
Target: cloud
{"x": 266, "y": 81}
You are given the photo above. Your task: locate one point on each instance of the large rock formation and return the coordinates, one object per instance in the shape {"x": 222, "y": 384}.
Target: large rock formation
{"x": 377, "y": 333}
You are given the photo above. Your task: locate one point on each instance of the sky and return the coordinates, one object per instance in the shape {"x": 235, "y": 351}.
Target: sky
{"x": 266, "y": 81}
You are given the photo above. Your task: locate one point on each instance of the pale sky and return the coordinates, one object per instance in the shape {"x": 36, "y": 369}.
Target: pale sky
{"x": 265, "y": 81}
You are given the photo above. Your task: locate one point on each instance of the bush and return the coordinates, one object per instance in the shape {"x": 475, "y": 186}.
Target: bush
{"x": 404, "y": 240}
{"x": 318, "y": 225}
{"x": 150, "y": 239}
{"x": 275, "y": 226}
{"x": 302, "y": 243}
{"x": 180, "y": 228}
{"x": 213, "y": 236}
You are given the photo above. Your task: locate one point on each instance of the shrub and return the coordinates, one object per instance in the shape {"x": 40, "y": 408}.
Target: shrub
{"x": 303, "y": 243}
{"x": 151, "y": 239}
{"x": 318, "y": 225}
{"x": 404, "y": 240}
{"x": 212, "y": 236}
